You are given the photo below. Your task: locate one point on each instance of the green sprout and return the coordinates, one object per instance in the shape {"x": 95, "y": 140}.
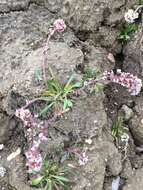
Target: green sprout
{"x": 125, "y": 31}
{"x": 52, "y": 177}
{"x": 117, "y": 127}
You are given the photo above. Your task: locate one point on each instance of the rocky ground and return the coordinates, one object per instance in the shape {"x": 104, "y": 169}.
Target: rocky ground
{"x": 90, "y": 36}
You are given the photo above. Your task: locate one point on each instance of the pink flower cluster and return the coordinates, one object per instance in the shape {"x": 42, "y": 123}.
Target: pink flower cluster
{"x": 36, "y": 134}
{"x": 58, "y": 26}
{"x": 131, "y": 82}
{"x": 33, "y": 160}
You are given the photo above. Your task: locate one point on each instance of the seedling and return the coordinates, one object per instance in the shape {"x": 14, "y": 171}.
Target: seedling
{"x": 117, "y": 128}
{"x": 52, "y": 177}
{"x": 125, "y": 31}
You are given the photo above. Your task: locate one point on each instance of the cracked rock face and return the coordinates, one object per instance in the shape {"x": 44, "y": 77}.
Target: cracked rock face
{"x": 16, "y": 5}
{"x": 134, "y": 54}
{"x": 95, "y": 18}
{"x": 88, "y": 15}
{"x": 135, "y": 182}
{"x": 136, "y": 123}
{"x": 23, "y": 35}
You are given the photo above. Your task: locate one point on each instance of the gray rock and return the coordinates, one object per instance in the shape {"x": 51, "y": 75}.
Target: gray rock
{"x": 87, "y": 119}
{"x": 97, "y": 59}
{"x": 107, "y": 38}
{"x": 127, "y": 170}
{"x": 136, "y": 123}
{"x": 115, "y": 165}
{"x": 133, "y": 52}
{"x": 135, "y": 182}
{"x": 92, "y": 175}
{"x": 126, "y": 112}
{"x": 81, "y": 15}
{"x": 21, "y": 54}
{"x": 13, "y": 5}
{"x": 7, "y": 125}
{"x": 94, "y": 18}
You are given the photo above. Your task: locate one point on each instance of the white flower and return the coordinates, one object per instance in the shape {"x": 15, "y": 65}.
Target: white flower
{"x": 2, "y": 171}
{"x": 125, "y": 137}
{"x": 131, "y": 15}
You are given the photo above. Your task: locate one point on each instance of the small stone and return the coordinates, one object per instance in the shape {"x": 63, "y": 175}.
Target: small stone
{"x": 88, "y": 141}
{"x": 126, "y": 112}
{"x": 71, "y": 166}
{"x": 111, "y": 58}
{"x": 14, "y": 154}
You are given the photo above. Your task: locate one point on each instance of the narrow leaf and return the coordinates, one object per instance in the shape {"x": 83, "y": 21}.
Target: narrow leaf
{"x": 37, "y": 180}
{"x": 61, "y": 178}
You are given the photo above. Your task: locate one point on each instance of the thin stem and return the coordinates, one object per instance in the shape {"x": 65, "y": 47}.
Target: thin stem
{"x": 33, "y": 101}
{"x": 45, "y": 53}
{"x": 139, "y": 7}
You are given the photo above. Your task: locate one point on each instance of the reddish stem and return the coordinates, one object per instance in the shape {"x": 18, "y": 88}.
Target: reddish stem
{"x": 45, "y": 51}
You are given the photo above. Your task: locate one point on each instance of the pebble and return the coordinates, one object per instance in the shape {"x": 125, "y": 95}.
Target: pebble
{"x": 88, "y": 141}
{"x": 1, "y": 146}
{"x": 14, "y": 154}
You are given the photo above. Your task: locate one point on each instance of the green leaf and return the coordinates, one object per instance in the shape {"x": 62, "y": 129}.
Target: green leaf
{"x": 131, "y": 28}
{"x": 37, "y": 181}
{"x": 38, "y": 76}
{"x": 54, "y": 86}
{"x": 67, "y": 103}
{"x": 46, "y": 109}
{"x": 49, "y": 185}
{"x": 69, "y": 81}
{"x": 48, "y": 99}
{"x": 77, "y": 85}
{"x": 46, "y": 164}
{"x": 59, "y": 182}
{"x": 126, "y": 29}
{"x": 61, "y": 178}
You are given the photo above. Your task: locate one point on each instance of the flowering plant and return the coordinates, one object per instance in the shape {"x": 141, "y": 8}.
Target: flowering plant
{"x": 58, "y": 26}
{"x": 35, "y": 130}
{"x": 35, "y": 133}
{"x": 131, "y": 82}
